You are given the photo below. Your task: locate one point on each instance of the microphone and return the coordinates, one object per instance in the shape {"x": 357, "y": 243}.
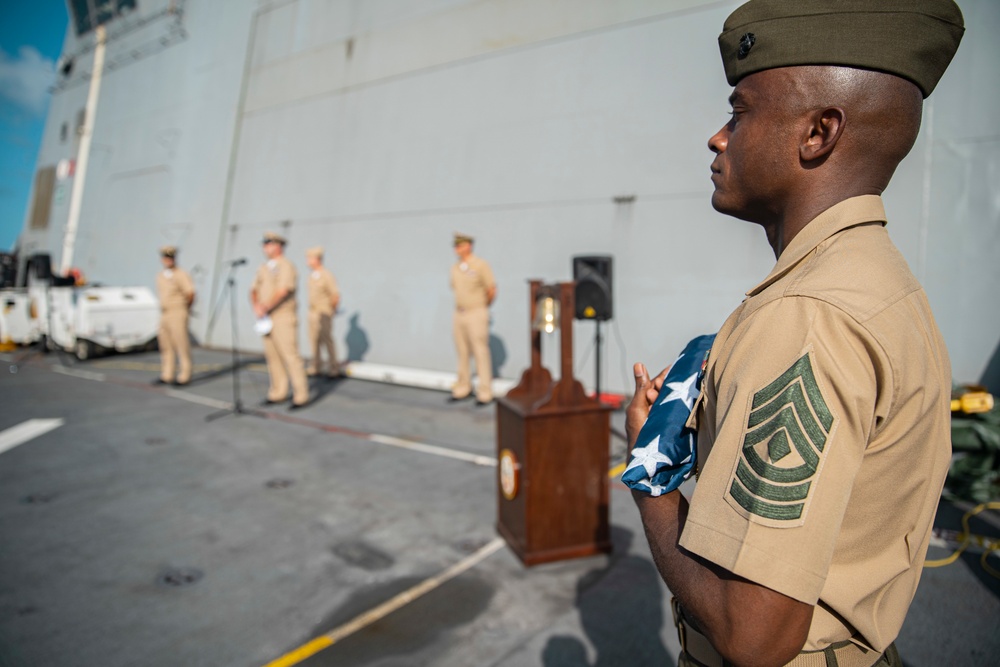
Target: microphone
{"x": 238, "y": 262}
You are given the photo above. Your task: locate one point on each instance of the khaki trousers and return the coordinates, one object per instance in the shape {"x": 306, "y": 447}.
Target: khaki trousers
{"x": 321, "y": 338}
{"x": 174, "y": 345}
{"x": 471, "y": 328}
{"x": 281, "y": 351}
{"x": 827, "y": 658}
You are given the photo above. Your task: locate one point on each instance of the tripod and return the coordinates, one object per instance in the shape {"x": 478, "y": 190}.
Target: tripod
{"x": 230, "y": 293}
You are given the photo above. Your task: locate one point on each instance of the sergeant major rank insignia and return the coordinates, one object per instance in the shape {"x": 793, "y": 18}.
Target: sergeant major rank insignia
{"x": 786, "y": 434}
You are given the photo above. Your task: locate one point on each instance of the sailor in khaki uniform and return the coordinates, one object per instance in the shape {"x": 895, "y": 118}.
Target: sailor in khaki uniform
{"x": 323, "y": 299}
{"x": 475, "y": 289}
{"x": 273, "y": 296}
{"x": 823, "y": 420}
{"x": 176, "y": 293}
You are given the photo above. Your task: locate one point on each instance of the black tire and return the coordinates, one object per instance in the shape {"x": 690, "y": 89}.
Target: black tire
{"x": 83, "y": 349}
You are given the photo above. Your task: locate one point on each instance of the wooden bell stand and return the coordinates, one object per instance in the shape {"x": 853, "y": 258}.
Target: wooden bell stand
{"x": 552, "y": 448}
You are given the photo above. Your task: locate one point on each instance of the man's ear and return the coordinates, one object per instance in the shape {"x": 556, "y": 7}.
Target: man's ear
{"x": 825, "y": 128}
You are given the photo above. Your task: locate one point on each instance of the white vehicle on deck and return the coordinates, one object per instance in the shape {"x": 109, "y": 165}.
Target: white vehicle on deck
{"x": 88, "y": 320}
{"x": 18, "y": 317}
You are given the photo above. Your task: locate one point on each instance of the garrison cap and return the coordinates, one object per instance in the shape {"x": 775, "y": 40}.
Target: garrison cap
{"x": 913, "y": 39}
{"x": 272, "y": 237}
{"x": 463, "y": 238}
{"x": 315, "y": 251}
{"x": 168, "y": 251}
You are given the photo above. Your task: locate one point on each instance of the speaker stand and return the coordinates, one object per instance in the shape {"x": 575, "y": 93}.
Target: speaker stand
{"x": 597, "y": 360}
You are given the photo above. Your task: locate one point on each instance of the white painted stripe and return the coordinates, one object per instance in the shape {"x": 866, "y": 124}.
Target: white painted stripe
{"x": 25, "y": 431}
{"x": 86, "y": 375}
{"x": 200, "y": 400}
{"x": 412, "y": 594}
{"x": 478, "y": 459}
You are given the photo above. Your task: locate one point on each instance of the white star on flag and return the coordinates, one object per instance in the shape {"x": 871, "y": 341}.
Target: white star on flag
{"x": 648, "y": 457}
{"x": 665, "y": 438}
{"x": 654, "y": 489}
{"x": 685, "y": 392}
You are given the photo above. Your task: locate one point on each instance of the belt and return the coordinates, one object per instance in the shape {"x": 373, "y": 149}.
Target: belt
{"x": 699, "y": 649}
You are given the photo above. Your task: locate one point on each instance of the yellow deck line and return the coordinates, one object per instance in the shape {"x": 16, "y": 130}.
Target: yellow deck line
{"x": 314, "y": 646}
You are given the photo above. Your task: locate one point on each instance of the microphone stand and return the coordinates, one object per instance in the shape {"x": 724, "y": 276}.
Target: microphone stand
{"x": 230, "y": 293}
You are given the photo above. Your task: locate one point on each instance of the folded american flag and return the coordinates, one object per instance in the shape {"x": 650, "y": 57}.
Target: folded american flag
{"x": 664, "y": 453}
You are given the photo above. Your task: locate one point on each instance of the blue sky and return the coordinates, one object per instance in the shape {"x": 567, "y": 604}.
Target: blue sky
{"x": 31, "y": 39}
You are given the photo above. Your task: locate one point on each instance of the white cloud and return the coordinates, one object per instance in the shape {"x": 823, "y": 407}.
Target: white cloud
{"x": 25, "y": 80}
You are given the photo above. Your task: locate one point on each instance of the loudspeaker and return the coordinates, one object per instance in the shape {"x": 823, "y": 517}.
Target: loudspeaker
{"x": 593, "y": 296}
{"x": 40, "y": 266}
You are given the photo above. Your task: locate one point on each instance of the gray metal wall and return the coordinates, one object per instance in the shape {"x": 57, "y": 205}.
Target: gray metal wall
{"x": 379, "y": 128}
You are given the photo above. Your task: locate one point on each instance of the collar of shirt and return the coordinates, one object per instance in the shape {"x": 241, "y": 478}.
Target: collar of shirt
{"x": 316, "y": 274}
{"x": 848, "y": 213}
{"x": 168, "y": 273}
{"x": 271, "y": 263}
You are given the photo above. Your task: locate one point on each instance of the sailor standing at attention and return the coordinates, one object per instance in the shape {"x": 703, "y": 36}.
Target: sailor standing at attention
{"x": 475, "y": 289}
{"x": 823, "y": 420}
{"x": 324, "y": 296}
{"x": 273, "y": 296}
{"x": 176, "y": 292}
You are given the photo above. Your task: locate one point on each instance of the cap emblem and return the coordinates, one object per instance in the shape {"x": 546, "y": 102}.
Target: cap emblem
{"x": 746, "y": 43}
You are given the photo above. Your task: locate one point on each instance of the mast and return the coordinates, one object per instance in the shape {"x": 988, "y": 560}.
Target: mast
{"x": 76, "y": 198}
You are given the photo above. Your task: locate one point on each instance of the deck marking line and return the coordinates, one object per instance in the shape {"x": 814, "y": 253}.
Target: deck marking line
{"x": 617, "y": 470}
{"x": 86, "y": 375}
{"x": 392, "y": 441}
{"x": 381, "y": 611}
{"x": 436, "y": 450}
{"x": 478, "y": 459}
{"x": 307, "y": 650}
{"x": 25, "y": 431}
{"x": 200, "y": 400}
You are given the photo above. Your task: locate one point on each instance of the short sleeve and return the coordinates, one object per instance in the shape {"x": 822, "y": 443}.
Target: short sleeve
{"x": 332, "y": 285}
{"x": 487, "y": 275}
{"x": 794, "y": 389}
{"x": 186, "y": 285}
{"x": 286, "y": 276}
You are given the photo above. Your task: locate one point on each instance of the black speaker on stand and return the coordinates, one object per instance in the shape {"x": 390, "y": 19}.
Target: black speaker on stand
{"x": 594, "y": 299}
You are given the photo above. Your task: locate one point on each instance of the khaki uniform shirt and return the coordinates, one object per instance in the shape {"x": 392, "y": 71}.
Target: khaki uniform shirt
{"x": 322, "y": 290}
{"x": 471, "y": 281}
{"x": 824, "y": 430}
{"x": 273, "y": 275}
{"x": 174, "y": 288}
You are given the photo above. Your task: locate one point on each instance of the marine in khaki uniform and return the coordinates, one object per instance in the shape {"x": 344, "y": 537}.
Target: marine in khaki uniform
{"x": 823, "y": 421}
{"x": 324, "y": 296}
{"x": 475, "y": 289}
{"x": 273, "y": 295}
{"x": 176, "y": 293}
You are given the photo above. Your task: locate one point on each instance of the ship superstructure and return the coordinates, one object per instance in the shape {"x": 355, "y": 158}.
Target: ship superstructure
{"x": 544, "y": 128}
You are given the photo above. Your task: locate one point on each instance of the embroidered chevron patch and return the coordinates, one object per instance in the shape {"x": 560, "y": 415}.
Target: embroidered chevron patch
{"x": 786, "y": 433}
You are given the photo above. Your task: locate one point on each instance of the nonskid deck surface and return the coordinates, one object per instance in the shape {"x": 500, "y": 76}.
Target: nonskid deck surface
{"x": 357, "y": 531}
